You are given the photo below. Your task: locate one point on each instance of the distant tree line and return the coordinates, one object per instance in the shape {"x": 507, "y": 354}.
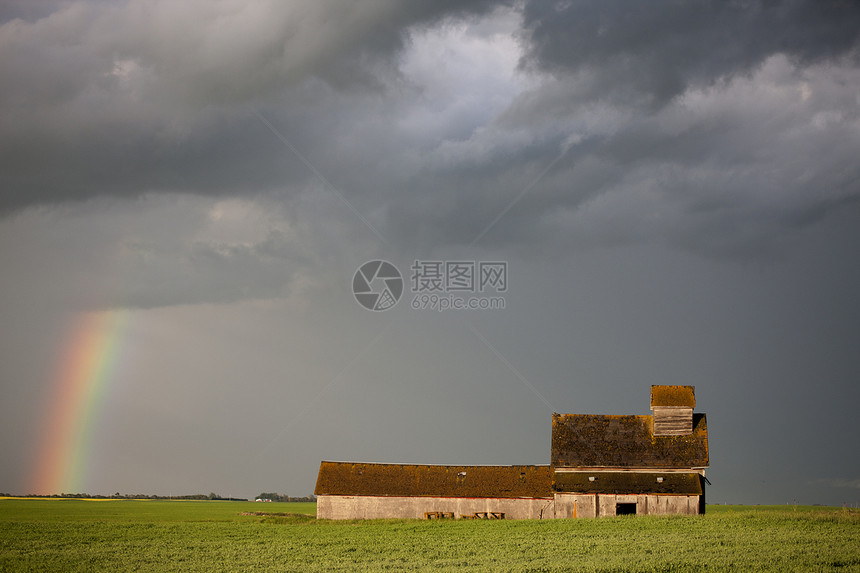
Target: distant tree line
{"x": 278, "y": 497}
{"x": 117, "y": 495}
{"x": 194, "y": 496}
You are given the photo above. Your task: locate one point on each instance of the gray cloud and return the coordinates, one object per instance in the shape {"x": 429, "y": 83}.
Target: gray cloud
{"x": 436, "y": 136}
{"x": 737, "y": 133}
{"x": 635, "y": 51}
{"x": 738, "y": 152}
{"x": 124, "y": 98}
{"x": 27, "y": 11}
{"x": 164, "y": 251}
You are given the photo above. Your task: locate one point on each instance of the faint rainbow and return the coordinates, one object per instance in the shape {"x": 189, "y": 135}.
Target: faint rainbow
{"x": 87, "y": 364}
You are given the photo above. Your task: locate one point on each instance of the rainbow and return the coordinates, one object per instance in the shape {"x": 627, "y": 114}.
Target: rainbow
{"x": 83, "y": 375}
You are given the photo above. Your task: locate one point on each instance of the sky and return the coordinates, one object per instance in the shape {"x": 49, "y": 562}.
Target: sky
{"x": 187, "y": 190}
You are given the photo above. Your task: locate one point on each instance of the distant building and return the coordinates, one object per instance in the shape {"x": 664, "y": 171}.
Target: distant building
{"x": 600, "y": 466}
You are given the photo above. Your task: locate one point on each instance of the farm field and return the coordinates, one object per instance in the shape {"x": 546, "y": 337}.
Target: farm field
{"x": 128, "y": 535}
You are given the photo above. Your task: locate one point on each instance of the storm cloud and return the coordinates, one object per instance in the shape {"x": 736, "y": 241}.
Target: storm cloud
{"x": 670, "y": 120}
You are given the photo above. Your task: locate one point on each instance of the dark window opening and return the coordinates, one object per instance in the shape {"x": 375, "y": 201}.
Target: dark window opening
{"x": 625, "y": 509}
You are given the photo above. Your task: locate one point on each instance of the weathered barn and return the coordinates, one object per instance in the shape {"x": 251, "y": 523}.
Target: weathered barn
{"x": 372, "y": 491}
{"x": 600, "y": 466}
{"x": 610, "y": 465}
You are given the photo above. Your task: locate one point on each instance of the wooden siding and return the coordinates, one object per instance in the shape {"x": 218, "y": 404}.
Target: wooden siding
{"x": 672, "y": 421}
{"x": 562, "y": 506}
{"x": 569, "y": 506}
{"x": 402, "y": 507}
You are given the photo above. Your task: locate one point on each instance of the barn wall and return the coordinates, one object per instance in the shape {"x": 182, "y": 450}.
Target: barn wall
{"x": 565, "y": 506}
{"x": 379, "y": 507}
{"x": 675, "y": 505}
{"x": 568, "y": 505}
{"x": 603, "y": 505}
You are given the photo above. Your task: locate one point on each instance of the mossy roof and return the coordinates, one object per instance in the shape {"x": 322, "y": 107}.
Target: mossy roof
{"x": 584, "y": 440}
{"x": 348, "y": 478}
{"x": 621, "y": 483}
{"x": 673, "y": 396}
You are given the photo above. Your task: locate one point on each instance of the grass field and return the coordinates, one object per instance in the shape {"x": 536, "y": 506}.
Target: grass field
{"x": 126, "y": 535}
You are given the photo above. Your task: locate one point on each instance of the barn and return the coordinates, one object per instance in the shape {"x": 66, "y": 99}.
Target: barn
{"x": 600, "y": 465}
{"x": 373, "y": 491}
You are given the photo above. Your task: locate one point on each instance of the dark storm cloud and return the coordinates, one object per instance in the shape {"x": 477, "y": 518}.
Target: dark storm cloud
{"x": 728, "y": 171}
{"x": 26, "y": 10}
{"x": 417, "y": 115}
{"x": 719, "y": 127}
{"x": 656, "y": 50}
{"x": 125, "y": 97}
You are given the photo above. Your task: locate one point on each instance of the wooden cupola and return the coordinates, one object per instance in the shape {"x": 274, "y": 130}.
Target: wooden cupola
{"x": 672, "y": 408}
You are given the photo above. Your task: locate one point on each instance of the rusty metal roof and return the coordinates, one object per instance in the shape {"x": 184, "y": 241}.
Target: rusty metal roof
{"x": 673, "y": 396}
{"x": 347, "y": 478}
{"x": 583, "y": 440}
{"x": 621, "y": 483}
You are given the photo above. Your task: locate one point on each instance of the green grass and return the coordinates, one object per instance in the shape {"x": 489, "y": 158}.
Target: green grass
{"x": 80, "y": 535}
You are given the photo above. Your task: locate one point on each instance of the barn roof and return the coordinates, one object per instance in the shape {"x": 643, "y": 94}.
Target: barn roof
{"x": 673, "y": 396}
{"x": 628, "y": 483}
{"x": 583, "y": 440}
{"x": 347, "y": 478}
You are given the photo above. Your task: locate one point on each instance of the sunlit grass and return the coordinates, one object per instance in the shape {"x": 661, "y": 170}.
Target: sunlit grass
{"x": 79, "y": 535}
